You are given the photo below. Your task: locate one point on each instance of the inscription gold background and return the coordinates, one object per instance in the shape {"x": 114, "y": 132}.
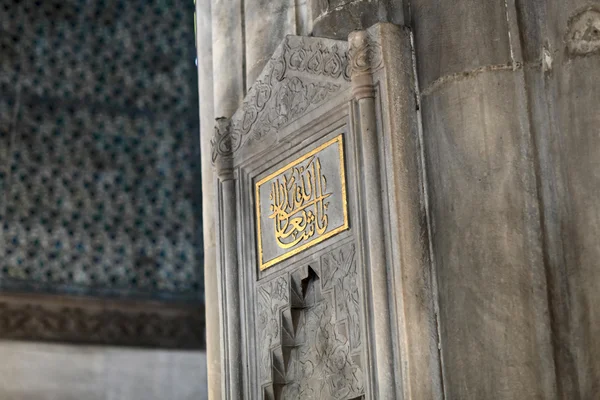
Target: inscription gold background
{"x": 338, "y": 140}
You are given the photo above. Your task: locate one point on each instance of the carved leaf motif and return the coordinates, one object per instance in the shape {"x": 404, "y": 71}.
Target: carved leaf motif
{"x": 314, "y": 62}
{"x": 291, "y": 100}
{"x": 276, "y": 99}
{"x": 249, "y": 117}
{"x": 225, "y": 141}
{"x": 271, "y": 297}
{"x": 365, "y": 53}
{"x": 296, "y": 58}
{"x": 314, "y": 358}
{"x": 339, "y": 272}
{"x": 263, "y": 94}
{"x": 337, "y": 266}
{"x": 333, "y": 64}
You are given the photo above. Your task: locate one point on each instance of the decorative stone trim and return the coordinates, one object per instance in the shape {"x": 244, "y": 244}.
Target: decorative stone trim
{"x": 365, "y": 58}
{"x": 104, "y": 322}
{"x": 285, "y": 91}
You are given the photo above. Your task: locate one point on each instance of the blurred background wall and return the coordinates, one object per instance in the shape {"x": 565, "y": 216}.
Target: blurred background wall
{"x": 100, "y": 185}
{"x": 508, "y": 94}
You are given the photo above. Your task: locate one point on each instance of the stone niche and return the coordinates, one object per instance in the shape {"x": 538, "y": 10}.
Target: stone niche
{"x": 310, "y": 172}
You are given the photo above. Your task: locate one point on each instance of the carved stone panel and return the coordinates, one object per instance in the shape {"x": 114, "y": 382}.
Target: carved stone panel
{"x": 311, "y": 252}
{"x": 301, "y": 204}
{"x": 309, "y": 330}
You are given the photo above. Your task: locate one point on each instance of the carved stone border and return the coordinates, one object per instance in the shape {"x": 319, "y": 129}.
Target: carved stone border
{"x": 303, "y": 74}
{"x": 90, "y": 321}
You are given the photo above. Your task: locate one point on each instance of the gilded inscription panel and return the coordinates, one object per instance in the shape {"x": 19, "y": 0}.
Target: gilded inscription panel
{"x": 301, "y": 204}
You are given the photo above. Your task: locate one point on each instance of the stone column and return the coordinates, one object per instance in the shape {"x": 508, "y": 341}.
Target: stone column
{"x": 229, "y": 88}
{"x": 335, "y": 19}
{"x": 209, "y": 205}
{"x": 267, "y": 22}
{"x": 369, "y": 161}
{"x": 227, "y": 261}
{"x": 229, "y": 77}
{"x": 412, "y": 303}
{"x": 484, "y": 202}
{"x": 561, "y": 56}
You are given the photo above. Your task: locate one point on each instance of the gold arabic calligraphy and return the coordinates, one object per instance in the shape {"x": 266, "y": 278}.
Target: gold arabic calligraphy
{"x": 298, "y": 204}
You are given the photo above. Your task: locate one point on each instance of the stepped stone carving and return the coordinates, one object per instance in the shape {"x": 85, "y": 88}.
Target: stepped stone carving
{"x": 310, "y": 331}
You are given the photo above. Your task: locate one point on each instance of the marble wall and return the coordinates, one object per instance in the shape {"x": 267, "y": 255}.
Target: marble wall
{"x": 510, "y": 127}
{"x": 55, "y": 372}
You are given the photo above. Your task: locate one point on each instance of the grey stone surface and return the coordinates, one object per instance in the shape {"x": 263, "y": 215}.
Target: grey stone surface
{"x": 309, "y": 322}
{"x": 508, "y": 92}
{"x": 366, "y": 58}
{"x": 229, "y": 78}
{"x": 412, "y": 280}
{"x": 31, "y": 371}
{"x": 562, "y": 88}
{"x": 209, "y": 203}
{"x": 302, "y": 74}
{"x": 303, "y": 18}
{"x": 299, "y": 332}
{"x": 529, "y": 74}
{"x": 458, "y": 37}
{"x": 266, "y": 23}
{"x": 487, "y": 241}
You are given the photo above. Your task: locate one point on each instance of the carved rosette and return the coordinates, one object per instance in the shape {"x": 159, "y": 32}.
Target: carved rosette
{"x": 303, "y": 73}
{"x": 365, "y": 58}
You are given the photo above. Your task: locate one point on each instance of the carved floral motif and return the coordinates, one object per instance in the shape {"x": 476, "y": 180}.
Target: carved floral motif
{"x": 313, "y": 340}
{"x": 317, "y": 59}
{"x": 291, "y": 101}
{"x": 105, "y": 326}
{"x": 271, "y": 297}
{"x": 365, "y": 53}
{"x": 282, "y": 93}
{"x": 224, "y": 142}
{"x": 339, "y": 273}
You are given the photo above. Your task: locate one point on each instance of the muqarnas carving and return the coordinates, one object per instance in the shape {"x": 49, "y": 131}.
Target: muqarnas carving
{"x": 310, "y": 331}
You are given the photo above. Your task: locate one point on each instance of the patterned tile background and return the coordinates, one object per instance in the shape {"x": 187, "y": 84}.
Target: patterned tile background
{"x": 99, "y": 153}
